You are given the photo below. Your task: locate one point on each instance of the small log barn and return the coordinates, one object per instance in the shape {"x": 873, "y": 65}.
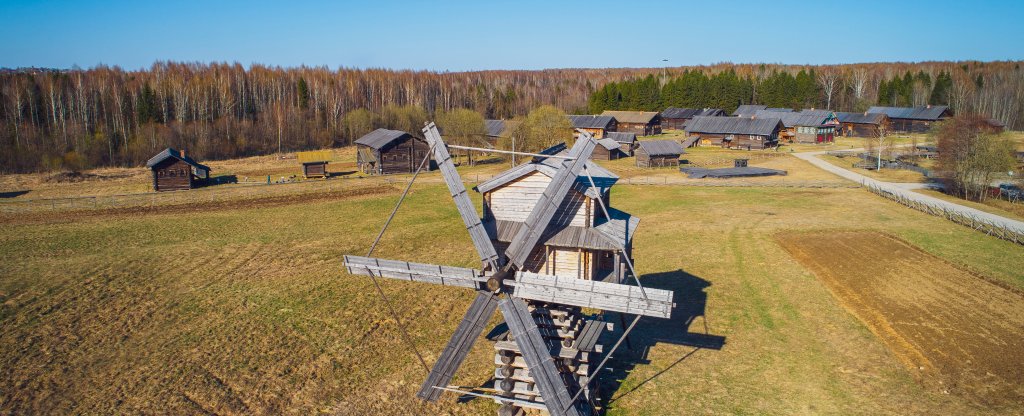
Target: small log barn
{"x": 314, "y": 164}
{"x": 658, "y": 153}
{"x": 385, "y": 152}
{"x": 582, "y": 242}
{"x": 748, "y": 110}
{"x": 643, "y": 123}
{"x": 606, "y": 149}
{"x": 498, "y": 129}
{"x": 807, "y": 126}
{"x": 674, "y": 118}
{"x": 869, "y": 125}
{"x": 913, "y": 119}
{"x": 175, "y": 171}
{"x": 597, "y": 126}
{"x": 735, "y": 132}
{"x": 626, "y": 141}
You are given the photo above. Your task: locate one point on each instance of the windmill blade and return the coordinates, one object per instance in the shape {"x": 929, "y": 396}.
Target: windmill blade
{"x": 483, "y": 244}
{"x": 537, "y": 353}
{"x": 593, "y": 294}
{"x": 473, "y": 323}
{"x": 415, "y": 272}
{"x": 539, "y": 219}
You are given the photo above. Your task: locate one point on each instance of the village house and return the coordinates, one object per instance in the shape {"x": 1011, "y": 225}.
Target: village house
{"x": 175, "y": 171}
{"x": 870, "y": 125}
{"x": 674, "y": 118}
{"x": 735, "y": 132}
{"x": 913, "y": 119}
{"x": 643, "y": 123}
{"x": 597, "y": 126}
{"x": 385, "y": 152}
{"x": 806, "y": 126}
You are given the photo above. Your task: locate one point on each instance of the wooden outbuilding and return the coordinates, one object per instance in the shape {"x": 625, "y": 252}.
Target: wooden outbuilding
{"x": 657, "y": 153}
{"x": 626, "y": 141}
{"x": 913, "y": 119}
{"x": 597, "y": 126}
{"x": 806, "y": 126}
{"x": 643, "y": 123}
{"x": 606, "y": 149}
{"x": 869, "y": 125}
{"x": 385, "y": 152}
{"x": 314, "y": 163}
{"x": 735, "y": 132}
{"x": 674, "y": 118}
{"x": 175, "y": 171}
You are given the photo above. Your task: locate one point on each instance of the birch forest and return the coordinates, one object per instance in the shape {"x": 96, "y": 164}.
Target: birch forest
{"x": 106, "y": 116}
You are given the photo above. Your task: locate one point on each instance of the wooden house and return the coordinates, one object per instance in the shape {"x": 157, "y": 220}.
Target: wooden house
{"x": 497, "y": 130}
{"x": 870, "y": 125}
{"x": 913, "y": 119}
{"x": 175, "y": 171}
{"x": 607, "y": 149}
{"x": 643, "y": 123}
{"x": 673, "y": 118}
{"x": 314, "y": 164}
{"x": 385, "y": 152}
{"x": 735, "y": 132}
{"x": 806, "y": 126}
{"x": 581, "y": 242}
{"x": 597, "y": 126}
{"x": 626, "y": 141}
{"x": 657, "y": 153}
{"x": 748, "y": 110}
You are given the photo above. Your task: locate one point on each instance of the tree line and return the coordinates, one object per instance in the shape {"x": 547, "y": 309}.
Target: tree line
{"x": 106, "y": 116}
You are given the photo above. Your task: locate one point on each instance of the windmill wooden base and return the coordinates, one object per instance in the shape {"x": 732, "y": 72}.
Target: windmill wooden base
{"x": 575, "y": 350}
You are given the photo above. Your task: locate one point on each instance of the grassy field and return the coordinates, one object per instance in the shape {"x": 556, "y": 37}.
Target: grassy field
{"x": 244, "y": 308}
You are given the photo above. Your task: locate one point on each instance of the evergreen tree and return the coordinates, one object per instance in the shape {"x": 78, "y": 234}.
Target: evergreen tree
{"x": 303, "y": 93}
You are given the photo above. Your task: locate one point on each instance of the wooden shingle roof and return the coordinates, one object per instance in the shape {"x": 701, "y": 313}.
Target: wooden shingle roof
{"x": 734, "y": 125}
{"x": 639, "y": 117}
{"x": 380, "y": 138}
{"x": 590, "y": 121}
{"x": 621, "y": 137}
{"x": 748, "y": 110}
{"x": 861, "y": 118}
{"x": 660, "y": 147}
{"x": 174, "y": 153}
{"x": 928, "y": 113}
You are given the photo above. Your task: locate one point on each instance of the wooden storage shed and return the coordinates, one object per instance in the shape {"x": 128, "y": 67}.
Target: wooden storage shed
{"x": 606, "y": 149}
{"x": 314, "y": 163}
{"x": 385, "y": 152}
{"x": 657, "y": 153}
{"x": 626, "y": 141}
{"x": 735, "y": 132}
{"x": 870, "y": 125}
{"x": 175, "y": 171}
{"x": 597, "y": 126}
{"x": 643, "y": 123}
{"x": 806, "y": 126}
{"x": 913, "y": 119}
{"x": 674, "y": 118}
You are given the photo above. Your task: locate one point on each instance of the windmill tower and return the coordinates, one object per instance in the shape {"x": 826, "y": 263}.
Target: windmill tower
{"x": 546, "y": 360}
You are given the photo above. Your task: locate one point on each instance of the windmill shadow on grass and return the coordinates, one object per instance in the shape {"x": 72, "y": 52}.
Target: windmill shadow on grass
{"x": 684, "y": 329}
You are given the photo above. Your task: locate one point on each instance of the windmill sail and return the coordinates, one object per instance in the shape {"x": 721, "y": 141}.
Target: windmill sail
{"x": 473, "y": 323}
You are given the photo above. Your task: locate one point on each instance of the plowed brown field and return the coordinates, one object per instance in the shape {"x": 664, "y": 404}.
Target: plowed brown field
{"x": 956, "y": 331}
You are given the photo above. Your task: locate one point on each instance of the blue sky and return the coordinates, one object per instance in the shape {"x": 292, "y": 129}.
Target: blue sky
{"x": 459, "y": 36}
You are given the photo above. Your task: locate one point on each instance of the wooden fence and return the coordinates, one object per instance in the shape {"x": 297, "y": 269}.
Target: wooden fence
{"x": 974, "y": 223}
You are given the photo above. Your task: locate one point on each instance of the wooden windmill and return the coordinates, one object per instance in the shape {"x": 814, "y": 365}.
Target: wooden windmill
{"x": 540, "y": 363}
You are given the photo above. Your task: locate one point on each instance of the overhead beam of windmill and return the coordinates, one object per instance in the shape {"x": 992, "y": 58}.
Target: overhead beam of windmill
{"x": 549, "y": 245}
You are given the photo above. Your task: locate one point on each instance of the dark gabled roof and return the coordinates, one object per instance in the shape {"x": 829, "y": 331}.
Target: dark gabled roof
{"x": 608, "y": 143}
{"x": 793, "y": 119}
{"x": 748, "y": 110}
{"x": 862, "y": 118}
{"x": 590, "y": 122}
{"x": 379, "y": 138}
{"x": 660, "y": 147}
{"x": 637, "y": 117}
{"x": 780, "y": 109}
{"x": 621, "y": 137}
{"x": 169, "y": 153}
{"x": 734, "y": 125}
{"x": 675, "y": 112}
{"x": 930, "y": 113}
{"x": 495, "y": 127}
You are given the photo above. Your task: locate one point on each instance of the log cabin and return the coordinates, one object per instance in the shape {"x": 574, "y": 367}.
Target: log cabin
{"x": 643, "y": 123}
{"x": 657, "y": 153}
{"x": 913, "y": 119}
{"x": 627, "y": 141}
{"x": 385, "y": 152}
{"x": 735, "y": 132}
{"x": 674, "y": 118}
{"x": 582, "y": 242}
{"x": 597, "y": 126}
{"x": 175, "y": 171}
{"x": 806, "y": 126}
{"x": 868, "y": 125}
{"x": 606, "y": 149}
